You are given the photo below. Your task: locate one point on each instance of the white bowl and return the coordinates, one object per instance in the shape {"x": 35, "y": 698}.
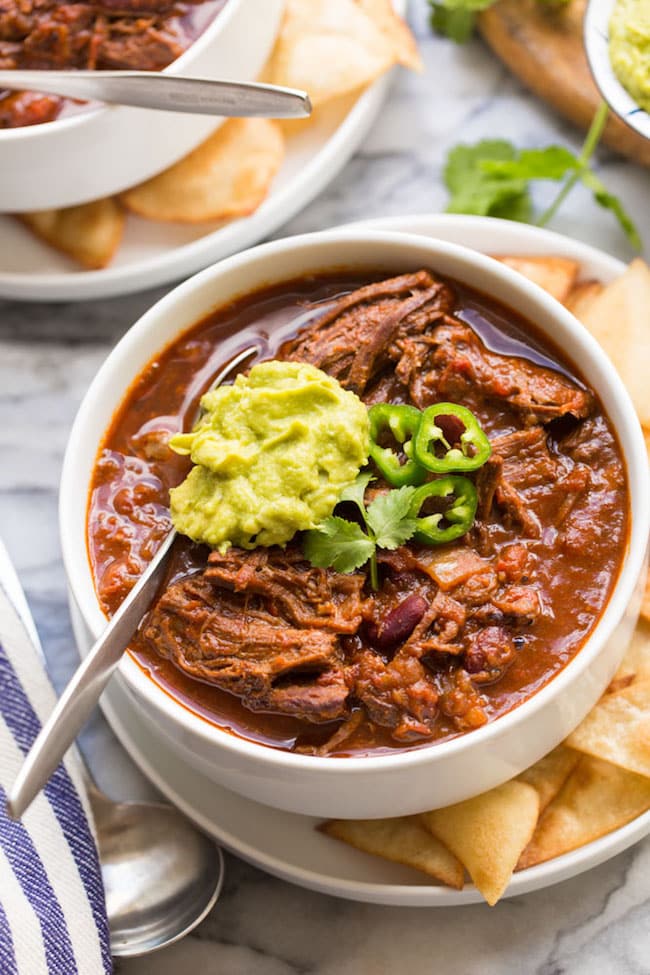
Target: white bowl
{"x": 407, "y": 781}
{"x": 596, "y": 39}
{"x": 104, "y": 150}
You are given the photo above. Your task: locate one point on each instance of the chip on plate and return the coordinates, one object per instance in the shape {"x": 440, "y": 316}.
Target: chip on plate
{"x": 402, "y": 840}
{"x": 551, "y": 772}
{"x": 89, "y": 233}
{"x": 557, "y": 275}
{"x": 619, "y": 317}
{"x": 227, "y": 176}
{"x": 328, "y": 48}
{"x": 645, "y": 603}
{"x": 598, "y": 798}
{"x": 581, "y": 297}
{"x": 396, "y": 30}
{"x": 617, "y": 729}
{"x": 488, "y": 833}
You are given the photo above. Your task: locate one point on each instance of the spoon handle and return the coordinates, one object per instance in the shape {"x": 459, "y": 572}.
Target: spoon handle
{"x": 169, "y": 93}
{"x": 84, "y": 690}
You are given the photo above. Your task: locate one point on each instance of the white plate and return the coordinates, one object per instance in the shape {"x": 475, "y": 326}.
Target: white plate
{"x": 288, "y": 845}
{"x": 596, "y": 36}
{"x": 156, "y": 253}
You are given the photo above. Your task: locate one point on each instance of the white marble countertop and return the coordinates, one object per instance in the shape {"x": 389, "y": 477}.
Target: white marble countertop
{"x": 597, "y": 923}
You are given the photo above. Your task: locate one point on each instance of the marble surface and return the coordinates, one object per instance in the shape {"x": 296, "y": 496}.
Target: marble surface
{"x": 597, "y": 923}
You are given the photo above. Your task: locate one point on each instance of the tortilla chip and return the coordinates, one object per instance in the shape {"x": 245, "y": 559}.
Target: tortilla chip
{"x": 89, "y": 233}
{"x": 645, "y": 604}
{"x": 395, "y": 30}
{"x": 328, "y": 48}
{"x": 597, "y": 799}
{"x": 551, "y": 772}
{"x": 620, "y": 319}
{"x": 227, "y": 176}
{"x": 557, "y": 275}
{"x": 581, "y": 297}
{"x": 488, "y": 833}
{"x": 402, "y": 840}
{"x": 635, "y": 665}
{"x": 618, "y": 729}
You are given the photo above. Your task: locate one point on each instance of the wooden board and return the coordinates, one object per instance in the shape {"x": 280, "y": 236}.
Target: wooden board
{"x": 543, "y": 47}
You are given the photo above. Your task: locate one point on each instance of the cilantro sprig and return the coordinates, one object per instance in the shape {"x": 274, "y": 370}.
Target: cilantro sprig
{"x": 456, "y": 19}
{"x": 345, "y": 546}
{"x": 493, "y": 178}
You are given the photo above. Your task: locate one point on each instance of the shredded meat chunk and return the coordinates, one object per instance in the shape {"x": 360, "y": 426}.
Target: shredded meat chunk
{"x": 354, "y": 338}
{"x": 248, "y": 652}
{"x": 452, "y": 361}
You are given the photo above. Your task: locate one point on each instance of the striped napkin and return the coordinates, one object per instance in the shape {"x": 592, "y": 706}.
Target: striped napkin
{"x": 52, "y": 906}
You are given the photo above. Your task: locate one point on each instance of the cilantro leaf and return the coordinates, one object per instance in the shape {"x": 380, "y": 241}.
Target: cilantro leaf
{"x": 388, "y": 518}
{"x": 457, "y": 25}
{"x": 356, "y": 491}
{"x": 338, "y": 544}
{"x": 605, "y": 199}
{"x": 554, "y": 162}
{"x": 473, "y": 190}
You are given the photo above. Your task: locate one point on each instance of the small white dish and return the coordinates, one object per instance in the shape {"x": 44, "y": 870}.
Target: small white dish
{"x": 287, "y": 845}
{"x": 106, "y": 149}
{"x": 411, "y": 780}
{"x": 154, "y": 253}
{"x": 596, "y": 37}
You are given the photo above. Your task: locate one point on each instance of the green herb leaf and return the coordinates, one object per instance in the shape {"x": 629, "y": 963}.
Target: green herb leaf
{"x": 389, "y": 520}
{"x": 604, "y": 198}
{"x": 554, "y": 162}
{"x": 356, "y": 491}
{"x": 338, "y": 544}
{"x": 474, "y": 190}
{"x": 457, "y": 25}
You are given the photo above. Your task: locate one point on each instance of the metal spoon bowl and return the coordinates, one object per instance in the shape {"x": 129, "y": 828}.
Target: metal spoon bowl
{"x": 161, "y": 875}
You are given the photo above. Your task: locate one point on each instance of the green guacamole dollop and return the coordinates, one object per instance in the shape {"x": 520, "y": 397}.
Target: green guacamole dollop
{"x": 629, "y": 48}
{"x": 272, "y": 454}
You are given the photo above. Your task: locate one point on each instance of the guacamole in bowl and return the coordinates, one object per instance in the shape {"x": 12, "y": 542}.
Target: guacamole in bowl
{"x": 629, "y": 48}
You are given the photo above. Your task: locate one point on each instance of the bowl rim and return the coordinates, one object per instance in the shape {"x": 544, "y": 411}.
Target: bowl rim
{"x": 582, "y": 347}
{"x": 218, "y": 23}
{"x": 596, "y": 43}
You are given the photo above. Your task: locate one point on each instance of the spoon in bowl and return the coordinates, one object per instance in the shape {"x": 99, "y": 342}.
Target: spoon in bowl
{"x": 92, "y": 675}
{"x": 166, "y": 92}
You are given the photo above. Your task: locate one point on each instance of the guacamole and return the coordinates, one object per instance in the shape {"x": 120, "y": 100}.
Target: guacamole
{"x": 629, "y": 48}
{"x": 272, "y": 454}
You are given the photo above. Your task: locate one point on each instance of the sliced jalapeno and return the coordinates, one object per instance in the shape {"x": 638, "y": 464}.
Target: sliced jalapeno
{"x": 458, "y": 500}
{"x": 450, "y": 438}
{"x": 402, "y": 422}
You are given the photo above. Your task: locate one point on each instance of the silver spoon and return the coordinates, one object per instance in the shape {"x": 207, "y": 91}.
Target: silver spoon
{"x": 167, "y": 92}
{"x": 161, "y": 875}
{"x": 92, "y": 675}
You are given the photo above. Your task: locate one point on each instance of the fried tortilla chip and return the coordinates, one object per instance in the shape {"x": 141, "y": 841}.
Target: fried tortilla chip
{"x": 328, "y": 48}
{"x": 227, "y": 176}
{"x": 635, "y": 665}
{"x": 620, "y": 319}
{"x": 395, "y": 30}
{"x": 551, "y": 772}
{"x": 89, "y": 233}
{"x": 488, "y": 833}
{"x": 402, "y": 840}
{"x": 557, "y": 275}
{"x": 618, "y": 729}
{"x": 645, "y": 604}
{"x": 597, "y": 799}
{"x": 581, "y": 297}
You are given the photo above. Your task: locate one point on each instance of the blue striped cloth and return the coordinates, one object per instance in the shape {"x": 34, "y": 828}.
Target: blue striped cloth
{"x": 52, "y": 906}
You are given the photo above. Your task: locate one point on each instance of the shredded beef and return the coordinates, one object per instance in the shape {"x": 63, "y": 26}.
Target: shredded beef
{"x": 354, "y": 338}
{"x": 452, "y": 363}
{"x": 225, "y": 639}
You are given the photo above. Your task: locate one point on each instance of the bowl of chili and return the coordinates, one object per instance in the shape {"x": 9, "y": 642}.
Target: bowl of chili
{"x": 494, "y": 628}
{"x": 56, "y": 152}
